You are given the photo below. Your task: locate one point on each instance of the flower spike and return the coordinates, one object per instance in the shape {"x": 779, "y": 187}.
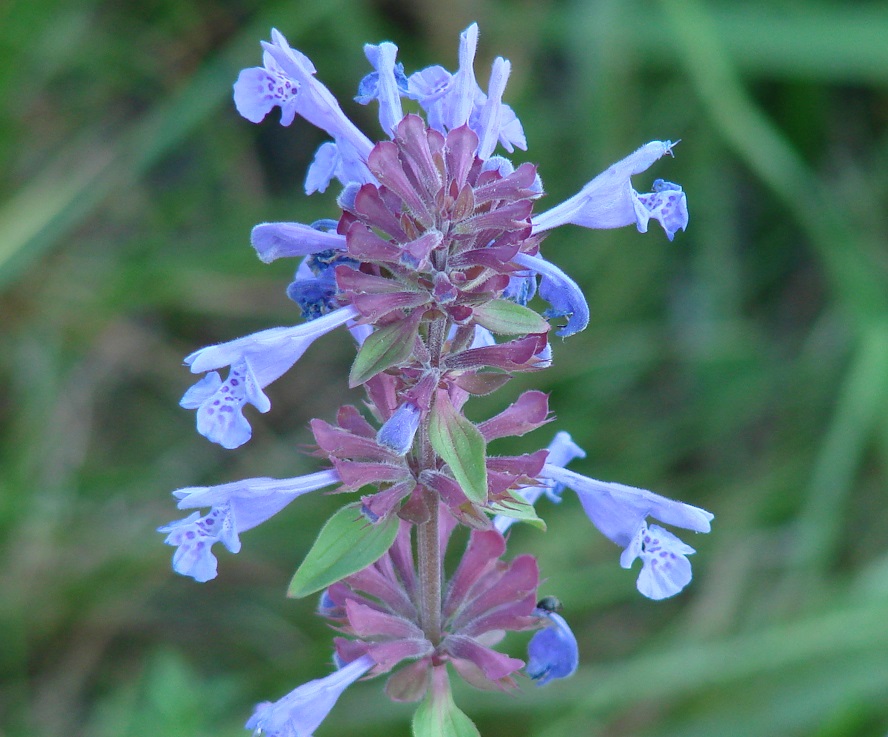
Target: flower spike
{"x": 432, "y": 260}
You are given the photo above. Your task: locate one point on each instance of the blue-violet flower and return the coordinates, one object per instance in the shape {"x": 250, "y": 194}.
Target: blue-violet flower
{"x": 553, "y": 651}
{"x": 300, "y": 712}
{"x": 609, "y": 201}
{"x": 235, "y": 507}
{"x": 619, "y": 512}
{"x": 256, "y": 360}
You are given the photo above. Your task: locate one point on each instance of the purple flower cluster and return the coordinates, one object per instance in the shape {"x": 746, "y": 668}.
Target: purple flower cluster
{"x": 431, "y": 265}
{"x": 484, "y": 597}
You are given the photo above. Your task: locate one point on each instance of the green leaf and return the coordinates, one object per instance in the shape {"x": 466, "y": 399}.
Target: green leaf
{"x": 346, "y": 544}
{"x": 462, "y": 447}
{"x": 438, "y": 715}
{"x": 504, "y": 317}
{"x": 384, "y": 348}
{"x": 518, "y": 509}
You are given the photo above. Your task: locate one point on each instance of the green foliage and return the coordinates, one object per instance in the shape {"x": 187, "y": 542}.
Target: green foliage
{"x": 462, "y": 447}
{"x": 169, "y": 698}
{"x": 504, "y": 317}
{"x": 383, "y": 349}
{"x": 741, "y": 368}
{"x": 346, "y": 544}
{"x": 520, "y": 510}
{"x": 439, "y": 716}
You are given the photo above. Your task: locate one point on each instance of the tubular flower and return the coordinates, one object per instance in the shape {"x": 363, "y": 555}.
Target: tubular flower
{"x": 286, "y": 80}
{"x": 620, "y": 513}
{"x": 609, "y": 201}
{"x": 277, "y": 240}
{"x": 255, "y": 361}
{"x": 386, "y": 84}
{"x": 234, "y": 508}
{"x": 300, "y": 712}
{"x": 451, "y": 100}
{"x": 560, "y": 291}
{"x": 399, "y": 430}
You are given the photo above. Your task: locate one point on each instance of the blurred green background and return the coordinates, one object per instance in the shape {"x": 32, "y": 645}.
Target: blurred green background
{"x": 742, "y": 368}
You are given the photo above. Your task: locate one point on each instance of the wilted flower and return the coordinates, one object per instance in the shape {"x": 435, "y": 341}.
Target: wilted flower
{"x": 553, "y": 651}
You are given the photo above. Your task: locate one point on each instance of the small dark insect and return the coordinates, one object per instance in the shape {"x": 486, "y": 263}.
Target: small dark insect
{"x": 550, "y": 604}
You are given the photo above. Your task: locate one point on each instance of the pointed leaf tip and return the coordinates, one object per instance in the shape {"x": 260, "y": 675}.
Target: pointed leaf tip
{"x": 518, "y": 509}
{"x": 346, "y": 544}
{"x": 383, "y": 348}
{"x": 462, "y": 447}
{"x": 504, "y": 317}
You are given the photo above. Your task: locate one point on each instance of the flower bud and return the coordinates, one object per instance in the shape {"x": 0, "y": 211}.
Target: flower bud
{"x": 398, "y": 431}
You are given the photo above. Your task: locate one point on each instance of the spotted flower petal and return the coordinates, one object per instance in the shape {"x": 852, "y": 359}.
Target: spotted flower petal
{"x": 256, "y": 361}
{"x": 665, "y": 568}
{"x": 620, "y": 513}
{"x": 609, "y": 201}
{"x": 313, "y": 101}
{"x": 234, "y": 508}
{"x": 259, "y": 90}
{"x": 666, "y": 204}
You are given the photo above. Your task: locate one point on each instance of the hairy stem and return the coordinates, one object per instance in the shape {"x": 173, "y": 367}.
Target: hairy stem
{"x": 428, "y": 551}
{"x": 429, "y": 563}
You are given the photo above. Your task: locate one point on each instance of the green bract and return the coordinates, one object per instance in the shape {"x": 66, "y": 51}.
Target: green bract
{"x": 439, "y": 716}
{"x": 504, "y": 317}
{"x": 518, "y": 509}
{"x": 384, "y": 348}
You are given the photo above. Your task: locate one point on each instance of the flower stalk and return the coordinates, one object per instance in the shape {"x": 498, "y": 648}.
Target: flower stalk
{"x": 430, "y": 562}
{"x": 430, "y": 572}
